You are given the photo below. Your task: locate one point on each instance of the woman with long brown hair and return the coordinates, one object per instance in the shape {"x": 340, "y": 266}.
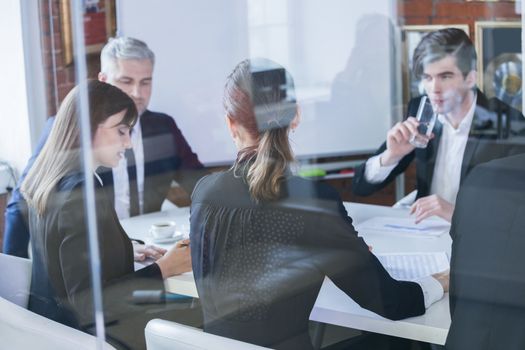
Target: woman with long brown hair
{"x": 263, "y": 240}
{"x": 54, "y": 191}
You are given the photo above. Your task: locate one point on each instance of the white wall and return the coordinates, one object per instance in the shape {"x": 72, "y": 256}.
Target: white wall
{"x": 338, "y": 51}
{"x": 21, "y": 94}
{"x": 15, "y": 144}
{"x": 343, "y": 50}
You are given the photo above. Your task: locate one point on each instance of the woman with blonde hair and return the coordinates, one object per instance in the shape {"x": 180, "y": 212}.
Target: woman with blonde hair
{"x": 54, "y": 191}
{"x": 263, "y": 240}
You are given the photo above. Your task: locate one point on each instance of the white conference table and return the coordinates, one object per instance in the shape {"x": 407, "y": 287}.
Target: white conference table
{"x": 333, "y": 306}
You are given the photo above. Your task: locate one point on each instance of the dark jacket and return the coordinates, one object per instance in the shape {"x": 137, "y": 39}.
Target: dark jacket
{"x": 487, "y": 279}
{"x": 481, "y": 147}
{"x": 61, "y": 286}
{"x": 167, "y": 157}
{"x": 259, "y": 266}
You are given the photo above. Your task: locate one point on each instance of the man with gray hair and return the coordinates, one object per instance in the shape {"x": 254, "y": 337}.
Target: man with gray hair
{"x": 159, "y": 154}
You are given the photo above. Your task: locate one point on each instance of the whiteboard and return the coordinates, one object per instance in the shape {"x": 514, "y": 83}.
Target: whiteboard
{"x": 339, "y": 52}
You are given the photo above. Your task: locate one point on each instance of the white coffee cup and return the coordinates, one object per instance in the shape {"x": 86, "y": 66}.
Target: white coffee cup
{"x": 164, "y": 229}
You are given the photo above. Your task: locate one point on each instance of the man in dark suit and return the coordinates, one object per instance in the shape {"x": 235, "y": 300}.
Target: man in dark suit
{"x": 464, "y": 135}
{"x": 487, "y": 282}
{"x": 160, "y": 153}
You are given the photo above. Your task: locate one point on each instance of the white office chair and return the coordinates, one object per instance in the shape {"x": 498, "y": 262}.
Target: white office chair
{"x": 15, "y": 279}
{"x": 23, "y": 329}
{"x": 167, "y": 335}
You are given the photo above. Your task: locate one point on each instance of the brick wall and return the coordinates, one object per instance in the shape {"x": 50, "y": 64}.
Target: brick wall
{"x": 65, "y": 74}
{"x": 3, "y": 203}
{"x": 419, "y": 12}
{"x": 51, "y": 28}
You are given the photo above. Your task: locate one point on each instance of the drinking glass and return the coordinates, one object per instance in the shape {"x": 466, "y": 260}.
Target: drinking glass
{"x": 426, "y": 118}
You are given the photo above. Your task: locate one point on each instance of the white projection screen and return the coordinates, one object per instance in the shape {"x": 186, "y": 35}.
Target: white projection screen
{"x": 340, "y": 53}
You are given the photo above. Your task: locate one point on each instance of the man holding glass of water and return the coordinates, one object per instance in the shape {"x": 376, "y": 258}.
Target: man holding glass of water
{"x": 455, "y": 131}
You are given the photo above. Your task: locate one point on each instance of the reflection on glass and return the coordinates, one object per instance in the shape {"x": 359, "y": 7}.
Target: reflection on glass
{"x": 263, "y": 239}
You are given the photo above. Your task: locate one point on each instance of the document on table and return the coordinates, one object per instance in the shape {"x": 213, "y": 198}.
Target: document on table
{"x": 411, "y": 266}
{"x": 384, "y": 224}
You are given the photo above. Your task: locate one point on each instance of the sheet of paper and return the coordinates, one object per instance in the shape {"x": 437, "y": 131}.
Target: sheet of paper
{"x": 410, "y": 266}
{"x": 383, "y": 224}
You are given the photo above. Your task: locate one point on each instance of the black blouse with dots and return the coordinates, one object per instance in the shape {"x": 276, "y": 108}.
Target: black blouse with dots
{"x": 259, "y": 266}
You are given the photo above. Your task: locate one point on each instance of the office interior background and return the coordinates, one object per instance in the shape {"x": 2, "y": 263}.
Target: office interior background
{"x": 334, "y": 49}
{"x": 35, "y": 35}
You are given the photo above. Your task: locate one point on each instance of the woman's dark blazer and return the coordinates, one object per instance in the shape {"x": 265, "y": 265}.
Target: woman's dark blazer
{"x": 259, "y": 266}
{"x": 61, "y": 279}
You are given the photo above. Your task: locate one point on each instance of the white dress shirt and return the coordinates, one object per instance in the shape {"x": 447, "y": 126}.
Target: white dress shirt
{"x": 447, "y": 171}
{"x": 121, "y": 179}
{"x": 98, "y": 178}
{"x": 432, "y": 290}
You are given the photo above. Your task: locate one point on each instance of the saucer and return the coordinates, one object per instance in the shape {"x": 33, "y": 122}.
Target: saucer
{"x": 165, "y": 240}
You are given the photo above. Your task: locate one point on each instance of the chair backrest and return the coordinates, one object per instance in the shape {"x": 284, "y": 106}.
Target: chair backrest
{"x": 23, "y": 329}
{"x": 167, "y": 335}
{"x": 15, "y": 279}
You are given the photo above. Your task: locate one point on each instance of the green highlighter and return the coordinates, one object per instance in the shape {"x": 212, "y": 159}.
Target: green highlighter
{"x": 312, "y": 172}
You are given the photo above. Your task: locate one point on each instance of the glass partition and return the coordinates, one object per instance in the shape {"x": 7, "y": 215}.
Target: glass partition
{"x": 268, "y": 172}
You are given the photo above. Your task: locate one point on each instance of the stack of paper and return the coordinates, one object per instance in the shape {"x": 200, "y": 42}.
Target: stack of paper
{"x": 381, "y": 224}
{"x": 411, "y": 266}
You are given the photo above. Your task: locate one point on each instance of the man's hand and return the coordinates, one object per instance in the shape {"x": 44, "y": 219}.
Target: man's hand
{"x": 443, "y": 278}
{"x": 177, "y": 260}
{"x": 142, "y": 252}
{"x": 397, "y": 141}
{"x": 432, "y": 205}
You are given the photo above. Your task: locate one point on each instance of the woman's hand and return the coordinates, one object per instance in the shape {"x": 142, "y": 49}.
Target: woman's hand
{"x": 432, "y": 205}
{"x": 142, "y": 252}
{"x": 177, "y": 260}
{"x": 443, "y": 278}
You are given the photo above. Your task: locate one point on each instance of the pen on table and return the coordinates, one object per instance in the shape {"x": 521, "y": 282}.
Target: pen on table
{"x": 407, "y": 227}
